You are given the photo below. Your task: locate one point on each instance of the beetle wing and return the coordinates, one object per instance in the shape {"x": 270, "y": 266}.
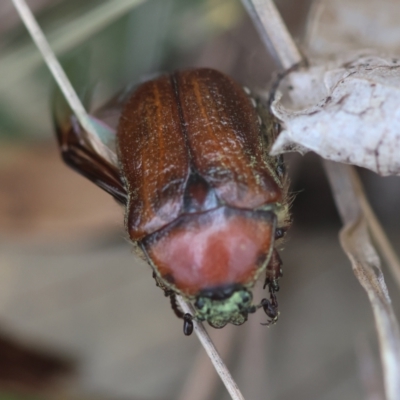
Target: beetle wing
{"x": 188, "y": 143}
{"x": 154, "y": 157}
{"x": 78, "y": 151}
{"x": 224, "y": 138}
{"x": 110, "y": 112}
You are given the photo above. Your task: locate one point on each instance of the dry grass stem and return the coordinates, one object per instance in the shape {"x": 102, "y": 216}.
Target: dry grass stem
{"x": 356, "y": 243}
{"x": 377, "y": 232}
{"x": 212, "y": 352}
{"x": 202, "y": 381}
{"x": 20, "y": 61}
{"x": 273, "y": 32}
{"x": 77, "y": 107}
{"x": 255, "y": 350}
{"x": 62, "y": 79}
{"x": 368, "y": 369}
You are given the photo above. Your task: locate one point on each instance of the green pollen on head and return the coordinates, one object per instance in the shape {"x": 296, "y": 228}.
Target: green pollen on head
{"x": 218, "y": 313}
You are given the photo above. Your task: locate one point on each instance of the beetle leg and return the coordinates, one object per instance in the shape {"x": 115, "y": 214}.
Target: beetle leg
{"x": 187, "y": 324}
{"x": 174, "y": 305}
{"x": 273, "y": 272}
{"x": 270, "y": 308}
{"x": 187, "y": 318}
{"x": 77, "y": 153}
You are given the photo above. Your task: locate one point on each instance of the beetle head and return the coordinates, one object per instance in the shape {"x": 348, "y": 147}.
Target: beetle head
{"x": 218, "y": 310}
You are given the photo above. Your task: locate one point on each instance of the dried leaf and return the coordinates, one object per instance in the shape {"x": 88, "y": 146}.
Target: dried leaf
{"x": 344, "y": 110}
{"x": 343, "y": 25}
{"x": 344, "y": 106}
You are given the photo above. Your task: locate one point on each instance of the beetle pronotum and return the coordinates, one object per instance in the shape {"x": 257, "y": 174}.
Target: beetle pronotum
{"x": 205, "y": 202}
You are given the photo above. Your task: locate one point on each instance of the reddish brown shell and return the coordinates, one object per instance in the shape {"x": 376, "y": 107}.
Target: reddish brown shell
{"x": 190, "y": 142}
{"x": 214, "y": 249}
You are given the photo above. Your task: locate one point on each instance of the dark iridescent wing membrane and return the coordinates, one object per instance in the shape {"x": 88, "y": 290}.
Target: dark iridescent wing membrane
{"x": 79, "y": 154}
{"x": 110, "y": 112}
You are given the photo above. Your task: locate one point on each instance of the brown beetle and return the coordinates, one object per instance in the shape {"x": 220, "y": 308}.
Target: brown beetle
{"x": 204, "y": 201}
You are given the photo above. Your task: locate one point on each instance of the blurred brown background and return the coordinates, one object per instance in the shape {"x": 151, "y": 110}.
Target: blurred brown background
{"x": 80, "y": 316}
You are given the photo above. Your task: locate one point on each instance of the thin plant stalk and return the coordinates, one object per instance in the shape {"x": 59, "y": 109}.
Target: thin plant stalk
{"x": 377, "y": 232}
{"x": 274, "y": 32}
{"x": 77, "y": 107}
{"x": 202, "y": 381}
{"x": 212, "y": 352}
{"x": 355, "y": 241}
{"x": 17, "y": 63}
{"x": 61, "y": 78}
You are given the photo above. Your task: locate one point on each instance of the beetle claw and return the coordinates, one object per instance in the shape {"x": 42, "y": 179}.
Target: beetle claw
{"x": 271, "y": 321}
{"x": 269, "y": 308}
{"x": 187, "y": 324}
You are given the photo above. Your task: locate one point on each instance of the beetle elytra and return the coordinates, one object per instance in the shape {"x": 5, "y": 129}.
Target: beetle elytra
{"x": 205, "y": 202}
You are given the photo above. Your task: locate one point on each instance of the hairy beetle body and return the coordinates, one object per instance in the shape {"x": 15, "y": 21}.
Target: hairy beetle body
{"x": 204, "y": 200}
